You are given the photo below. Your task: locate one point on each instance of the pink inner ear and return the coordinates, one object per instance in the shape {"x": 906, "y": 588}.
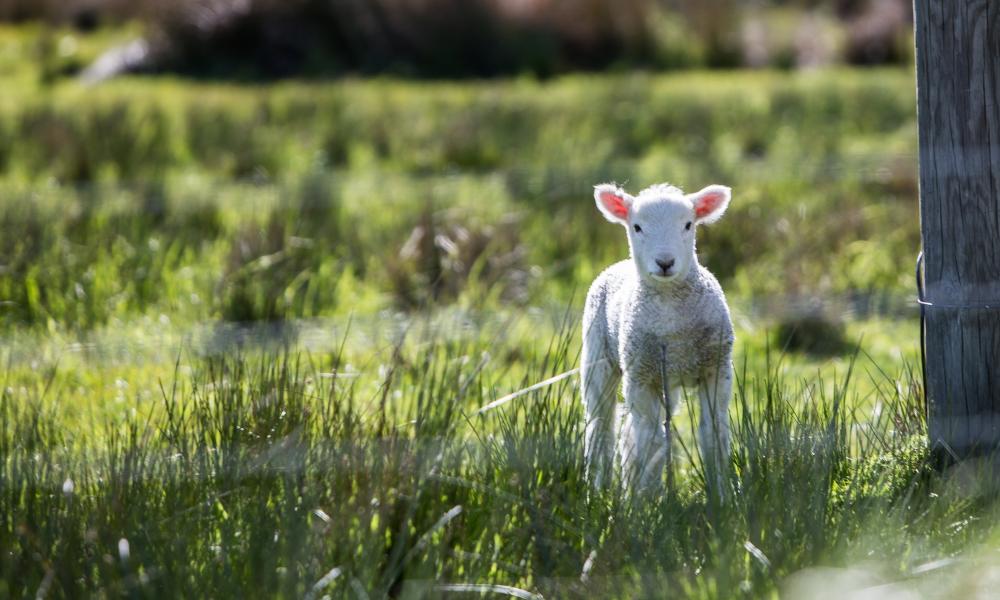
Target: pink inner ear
{"x": 707, "y": 204}
{"x": 615, "y": 204}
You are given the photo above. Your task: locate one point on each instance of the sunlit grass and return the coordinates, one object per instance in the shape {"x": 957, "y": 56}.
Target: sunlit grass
{"x": 271, "y": 469}
{"x": 183, "y": 189}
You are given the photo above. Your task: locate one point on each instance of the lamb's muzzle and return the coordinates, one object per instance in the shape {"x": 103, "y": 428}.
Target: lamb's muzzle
{"x": 659, "y": 298}
{"x": 665, "y": 263}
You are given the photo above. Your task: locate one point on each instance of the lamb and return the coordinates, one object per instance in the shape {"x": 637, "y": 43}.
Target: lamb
{"x": 659, "y": 313}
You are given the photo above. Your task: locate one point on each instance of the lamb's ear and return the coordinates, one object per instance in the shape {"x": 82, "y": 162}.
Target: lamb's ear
{"x": 710, "y": 203}
{"x": 613, "y": 202}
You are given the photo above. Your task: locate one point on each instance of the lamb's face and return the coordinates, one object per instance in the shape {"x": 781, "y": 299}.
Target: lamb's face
{"x": 661, "y": 236}
{"x": 660, "y": 225}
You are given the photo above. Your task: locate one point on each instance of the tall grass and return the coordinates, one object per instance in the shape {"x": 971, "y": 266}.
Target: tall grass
{"x": 281, "y": 474}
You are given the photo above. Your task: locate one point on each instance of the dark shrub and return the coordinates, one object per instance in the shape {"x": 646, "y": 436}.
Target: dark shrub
{"x": 813, "y": 332}
{"x": 437, "y": 38}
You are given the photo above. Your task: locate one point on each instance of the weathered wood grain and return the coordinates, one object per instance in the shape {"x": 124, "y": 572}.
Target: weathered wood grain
{"x": 958, "y": 103}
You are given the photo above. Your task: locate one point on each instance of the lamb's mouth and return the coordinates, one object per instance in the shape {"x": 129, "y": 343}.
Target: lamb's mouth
{"x": 662, "y": 277}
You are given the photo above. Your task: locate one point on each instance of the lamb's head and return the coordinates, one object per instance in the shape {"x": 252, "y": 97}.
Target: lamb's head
{"x": 660, "y": 223}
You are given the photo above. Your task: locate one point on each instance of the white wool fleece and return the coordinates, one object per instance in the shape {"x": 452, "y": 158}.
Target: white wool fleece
{"x": 658, "y": 312}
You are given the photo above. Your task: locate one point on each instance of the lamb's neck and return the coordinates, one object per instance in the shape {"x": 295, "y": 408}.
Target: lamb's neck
{"x": 674, "y": 292}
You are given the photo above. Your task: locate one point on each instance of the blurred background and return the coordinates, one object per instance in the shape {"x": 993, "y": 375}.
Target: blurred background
{"x": 475, "y": 38}
{"x": 261, "y": 160}
{"x": 171, "y": 170}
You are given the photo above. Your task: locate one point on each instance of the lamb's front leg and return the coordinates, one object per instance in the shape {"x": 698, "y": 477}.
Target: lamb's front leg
{"x": 600, "y": 382}
{"x": 642, "y": 445}
{"x": 715, "y": 391}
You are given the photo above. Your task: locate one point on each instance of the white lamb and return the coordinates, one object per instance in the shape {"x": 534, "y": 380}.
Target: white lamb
{"x": 660, "y": 312}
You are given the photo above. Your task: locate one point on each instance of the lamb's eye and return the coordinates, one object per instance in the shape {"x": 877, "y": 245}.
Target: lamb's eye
{"x": 637, "y": 228}
{"x": 688, "y": 226}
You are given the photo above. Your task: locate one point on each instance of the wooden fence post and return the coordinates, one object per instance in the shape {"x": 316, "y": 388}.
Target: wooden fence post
{"x": 958, "y": 114}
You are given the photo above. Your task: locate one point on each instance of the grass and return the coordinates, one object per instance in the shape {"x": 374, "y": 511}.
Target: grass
{"x": 185, "y": 189}
{"x": 286, "y": 474}
{"x": 247, "y": 329}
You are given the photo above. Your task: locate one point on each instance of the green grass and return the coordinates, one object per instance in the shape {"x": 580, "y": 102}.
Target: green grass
{"x": 252, "y": 325}
{"x": 182, "y": 189}
{"x": 256, "y": 475}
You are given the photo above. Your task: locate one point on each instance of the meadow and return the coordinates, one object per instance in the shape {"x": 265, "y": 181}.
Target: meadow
{"x": 247, "y": 330}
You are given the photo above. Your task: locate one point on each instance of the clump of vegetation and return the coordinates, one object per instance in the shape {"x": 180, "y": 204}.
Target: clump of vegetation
{"x": 812, "y": 332}
{"x": 441, "y": 261}
{"x": 288, "y": 265}
{"x": 265, "y": 269}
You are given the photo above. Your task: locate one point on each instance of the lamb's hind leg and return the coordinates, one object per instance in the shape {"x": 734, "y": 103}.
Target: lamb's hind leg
{"x": 713, "y": 427}
{"x": 599, "y": 381}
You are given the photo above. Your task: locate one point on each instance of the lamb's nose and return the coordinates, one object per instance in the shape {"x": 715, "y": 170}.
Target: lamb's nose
{"x": 665, "y": 265}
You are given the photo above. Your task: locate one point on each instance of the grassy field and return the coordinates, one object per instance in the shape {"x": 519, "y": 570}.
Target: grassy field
{"x": 246, "y": 331}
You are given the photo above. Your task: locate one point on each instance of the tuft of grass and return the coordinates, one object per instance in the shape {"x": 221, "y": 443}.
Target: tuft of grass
{"x": 266, "y": 271}
{"x": 441, "y": 261}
